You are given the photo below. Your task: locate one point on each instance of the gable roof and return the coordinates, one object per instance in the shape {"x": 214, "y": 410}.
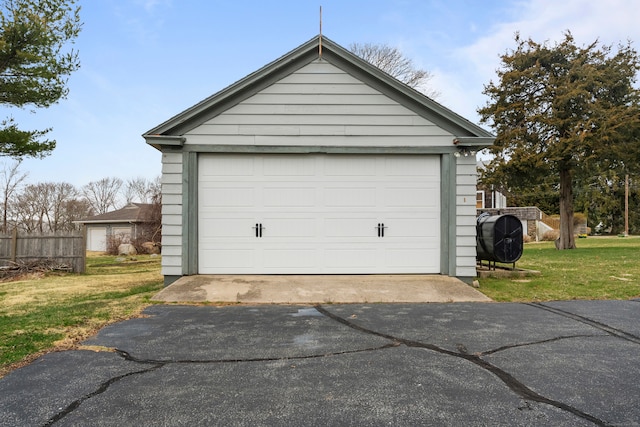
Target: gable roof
{"x": 132, "y": 213}
{"x": 169, "y": 132}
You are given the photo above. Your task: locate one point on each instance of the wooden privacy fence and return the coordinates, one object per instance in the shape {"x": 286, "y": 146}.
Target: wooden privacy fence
{"x": 66, "y": 249}
{"x": 550, "y": 221}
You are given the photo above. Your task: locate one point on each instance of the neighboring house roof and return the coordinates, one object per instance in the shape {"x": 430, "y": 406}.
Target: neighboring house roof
{"x": 170, "y": 132}
{"x": 132, "y": 213}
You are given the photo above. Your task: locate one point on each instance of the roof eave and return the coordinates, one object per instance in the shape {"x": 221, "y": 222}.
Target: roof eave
{"x": 116, "y": 221}
{"x": 176, "y": 124}
{"x": 421, "y": 103}
{"x": 474, "y": 142}
{"x": 159, "y": 142}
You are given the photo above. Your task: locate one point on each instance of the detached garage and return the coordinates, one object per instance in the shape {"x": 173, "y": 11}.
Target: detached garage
{"x": 318, "y": 163}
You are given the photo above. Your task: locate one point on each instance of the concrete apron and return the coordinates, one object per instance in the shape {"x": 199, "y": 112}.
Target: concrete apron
{"x": 313, "y": 289}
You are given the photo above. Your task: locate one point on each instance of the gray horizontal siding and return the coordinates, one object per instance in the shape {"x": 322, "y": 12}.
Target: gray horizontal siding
{"x": 284, "y": 87}
{"x": 329, "y": 119}
{"x": 172, "y": 214}
{"x": 316, "y": 129}
{"x": 324, "y": 140}
{"x": 466, "y": 216}
{"x": 319, "y": 105}
{"x": 275, "y": 110}
{"x": 315, "y": 98}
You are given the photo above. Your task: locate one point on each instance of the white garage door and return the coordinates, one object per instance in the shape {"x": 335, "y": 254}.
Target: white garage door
{"x": 318, "y": 214}
{"x": 97, "y": 239}
{"x": 122, "y": 234}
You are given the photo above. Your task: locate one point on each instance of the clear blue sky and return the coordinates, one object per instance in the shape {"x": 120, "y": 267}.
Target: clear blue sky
{"x": 143, "y": 61}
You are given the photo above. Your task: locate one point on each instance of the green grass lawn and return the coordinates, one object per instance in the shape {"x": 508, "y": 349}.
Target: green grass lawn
{"x": 56, "y": 311}
{"x": 600, "y": 268}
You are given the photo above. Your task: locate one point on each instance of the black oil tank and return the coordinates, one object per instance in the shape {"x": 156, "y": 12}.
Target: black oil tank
{"x": 499, "y": 238}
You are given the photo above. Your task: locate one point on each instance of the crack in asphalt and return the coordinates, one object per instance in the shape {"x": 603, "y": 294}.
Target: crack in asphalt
{"x": 598, "y": 325}
{"x": 101, "y": 389}
{"x": 131, "y": 358}
{"x": 161, "y": 363}
{"x": 526, "y": 344}
{"x": 509, "y": 380}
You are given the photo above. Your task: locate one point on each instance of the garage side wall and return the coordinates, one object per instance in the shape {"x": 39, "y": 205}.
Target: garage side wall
{"x": 466, "y": 217}
{"x": 172, "y": 215}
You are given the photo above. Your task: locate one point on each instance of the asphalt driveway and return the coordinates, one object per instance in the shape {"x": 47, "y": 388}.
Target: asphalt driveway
{"x": 475, "y": 364}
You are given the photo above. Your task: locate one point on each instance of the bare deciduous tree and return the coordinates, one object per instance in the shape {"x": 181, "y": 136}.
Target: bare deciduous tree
{"x": 10, "y": 179}
{"x": 141, "y": 190}
{"x": 57, "y": 216}
{"x": 75, "y": 210}
{"x": 393, "y": 62}
{"x": 102, "y": 195}
{"x": 151, "y": 229}
{"x": 31, "y": 207}
{"x": 48, "y": 207}
{"x": 53, "y": 207}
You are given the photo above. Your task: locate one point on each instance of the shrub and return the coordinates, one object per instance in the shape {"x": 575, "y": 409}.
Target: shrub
{"x": 550, "y": 235}
{"x": 526, "y": 238}
{"x": 113, "y": 243}
{"x": 144, "y": 246}
{"x": 579, "y": 219}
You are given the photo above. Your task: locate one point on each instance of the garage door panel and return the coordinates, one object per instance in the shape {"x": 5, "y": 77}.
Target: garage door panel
{"x": 355, "y": 257}
{"x": 228, "y": 197}
{"x": 319, "y": 214}
{"x": 226, "y": 227}
{"x": 350, "y": 166}
{"x": 286, "y": 258}
{"x": 288, "y": 165}
{"x": 410, "y": 260}
{"x": 402, "y": 166}
{"x": 354, "y": 197}
{"x": 227, "y": 166}
{"x": 288, "y": 228}
{"x": 350, "y": 228}
{"x": 227, "y": 259}
{"x": 411, "y": 197}
{"x": 289, "y": 197}
{"x": 410, "y": 228}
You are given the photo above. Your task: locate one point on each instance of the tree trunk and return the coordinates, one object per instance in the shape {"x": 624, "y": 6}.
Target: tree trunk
{"x": 567, "y": 239}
